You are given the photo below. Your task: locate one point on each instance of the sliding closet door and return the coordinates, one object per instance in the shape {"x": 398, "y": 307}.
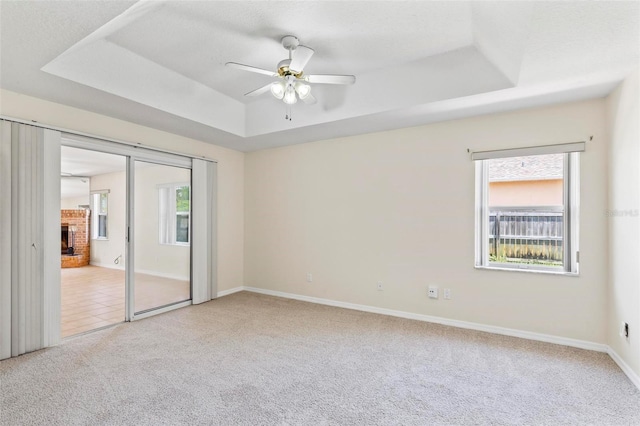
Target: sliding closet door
{"x": 162, "y": 235}
{"x": 5, "y": 239}
{"x": 30, "y": 221}
{"x": 204, "y": 239}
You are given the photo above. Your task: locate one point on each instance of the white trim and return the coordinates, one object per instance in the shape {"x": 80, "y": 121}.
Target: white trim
{"x": 6, "y": 231}
{"x": 103, "y": 138}
{"x": 582, "y": 344}
{"x": 167, "y": 213}
{"x": 573, "y": 206}
{"x": 561, "y": 148}
{"x": 93, "y": 330}
{"x": 153, "y": 312}
{"x": 51, "y": 301}
{"x": 95, "y": 203}
{"x": 231, "y": 291}
{"x": 570, "y": 211}
{"x": 129, "y": 223}
{"x": 535, "y": 271}
{"x": 136, "y": 151}
{"x": 632, "y": 375}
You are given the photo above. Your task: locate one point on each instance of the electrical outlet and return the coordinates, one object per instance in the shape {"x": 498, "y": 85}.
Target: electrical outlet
{"x": 433, "y": 291}
{"x": 309, "y": 277}
{"x": 380, "y": 286}
{"x": 447, "y": 293}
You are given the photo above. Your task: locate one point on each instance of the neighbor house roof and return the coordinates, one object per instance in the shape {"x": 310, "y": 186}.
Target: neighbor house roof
{"x": 535, "y": 167}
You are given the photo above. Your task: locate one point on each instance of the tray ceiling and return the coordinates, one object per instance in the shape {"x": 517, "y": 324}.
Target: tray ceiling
{"x": 161, "y": 64}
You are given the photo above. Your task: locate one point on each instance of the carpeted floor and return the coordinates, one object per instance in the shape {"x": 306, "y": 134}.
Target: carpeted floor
{"x": 249, "y": 359}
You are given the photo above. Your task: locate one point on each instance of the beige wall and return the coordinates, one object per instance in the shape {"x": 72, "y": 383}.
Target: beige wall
{"x": 230, "y": 167}
{"x": 398, "y": 207}
{"x": 373, "y": 207}
{"x": 526, "y": 193}
{"x": 624, "y": 220}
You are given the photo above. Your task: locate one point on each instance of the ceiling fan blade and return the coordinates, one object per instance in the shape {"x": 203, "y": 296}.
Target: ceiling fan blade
{"x": 309, "y": 100}
{"x": 251, "y": 69}
{"x": 301, "y": 56}
{"x": 330, "y": 79}
{"x": 259, "y": 91}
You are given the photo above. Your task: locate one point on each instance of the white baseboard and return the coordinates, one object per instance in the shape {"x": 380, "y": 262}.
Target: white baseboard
{"x": 107, "y": 265}
{"x": 141, "y": 271}
{"x": 635, "y": 378}
{"x": 162, "y": 275}
{"x": 230, "y": 291}
{"x": 582, "y": 344}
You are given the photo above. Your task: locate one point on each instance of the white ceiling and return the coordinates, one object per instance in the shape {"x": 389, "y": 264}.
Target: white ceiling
{"x": 77, "y": 166}
{"x": 161, "y": 64}
{"x": 83, "y": 162}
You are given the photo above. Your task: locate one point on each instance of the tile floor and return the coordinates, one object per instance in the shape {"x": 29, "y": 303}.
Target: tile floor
{"x": 93, "y": 297}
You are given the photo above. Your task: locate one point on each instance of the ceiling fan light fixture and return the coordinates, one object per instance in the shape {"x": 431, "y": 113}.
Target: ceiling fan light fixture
{"x": 277, "y": 89}
{"x": 303, "y": 90}
{"x": 290, "y": 97}
{"x": 293, "y": 83}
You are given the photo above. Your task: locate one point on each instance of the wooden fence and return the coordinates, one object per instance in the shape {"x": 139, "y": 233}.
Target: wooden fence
{"x": 526, "y": 235}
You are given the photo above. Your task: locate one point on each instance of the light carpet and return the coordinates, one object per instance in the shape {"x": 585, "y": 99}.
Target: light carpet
{"x": 250, "y": 359}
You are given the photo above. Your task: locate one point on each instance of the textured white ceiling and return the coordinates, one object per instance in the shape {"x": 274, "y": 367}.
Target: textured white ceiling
{"x": 161, "y": 64}
{"x": 197, "y": 38}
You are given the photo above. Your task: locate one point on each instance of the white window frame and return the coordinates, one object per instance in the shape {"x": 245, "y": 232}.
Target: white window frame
{"x": 571, "y": 208}
{"x": 95, "y": 215}
{"x": 167, "y": 226}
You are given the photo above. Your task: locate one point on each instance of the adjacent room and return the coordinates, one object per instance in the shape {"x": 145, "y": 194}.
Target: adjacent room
{"x": 311, "y": 212}
{"x": 93, "y": 238}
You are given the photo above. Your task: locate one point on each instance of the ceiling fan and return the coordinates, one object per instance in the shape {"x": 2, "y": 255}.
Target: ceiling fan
{"x": 292, "y": 82}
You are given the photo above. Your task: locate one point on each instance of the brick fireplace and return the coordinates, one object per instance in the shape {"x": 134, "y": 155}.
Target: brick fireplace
{"x": 74, "y": 232}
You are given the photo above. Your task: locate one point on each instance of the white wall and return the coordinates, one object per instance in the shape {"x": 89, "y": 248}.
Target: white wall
{"x": 153, "y": 258}
{"x": 398, "y": 207}
{"x": 230, "y": 167}
{"x": 74, "y": 202}
{"x": 173, "y": 261}
{"x": 624, "y": 220}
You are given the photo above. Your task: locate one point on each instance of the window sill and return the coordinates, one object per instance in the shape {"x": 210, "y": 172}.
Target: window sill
{"x": 100, "y": 239}
{"x": 534, "y": 271}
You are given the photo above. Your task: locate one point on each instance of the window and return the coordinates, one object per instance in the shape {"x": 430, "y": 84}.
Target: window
{"x": 527, "y": 208}
{"x": 175, "y": 213}
{"x": 99, "y": 211}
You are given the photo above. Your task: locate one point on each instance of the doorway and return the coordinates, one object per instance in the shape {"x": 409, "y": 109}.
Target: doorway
{"x": 92, "y": 219}
{"x": 125, "y": 237}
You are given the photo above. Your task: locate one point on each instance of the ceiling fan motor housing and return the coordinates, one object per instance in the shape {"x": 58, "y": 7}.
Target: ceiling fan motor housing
{"x": 283, "y": 69}
{"x": 290, "y": 42}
